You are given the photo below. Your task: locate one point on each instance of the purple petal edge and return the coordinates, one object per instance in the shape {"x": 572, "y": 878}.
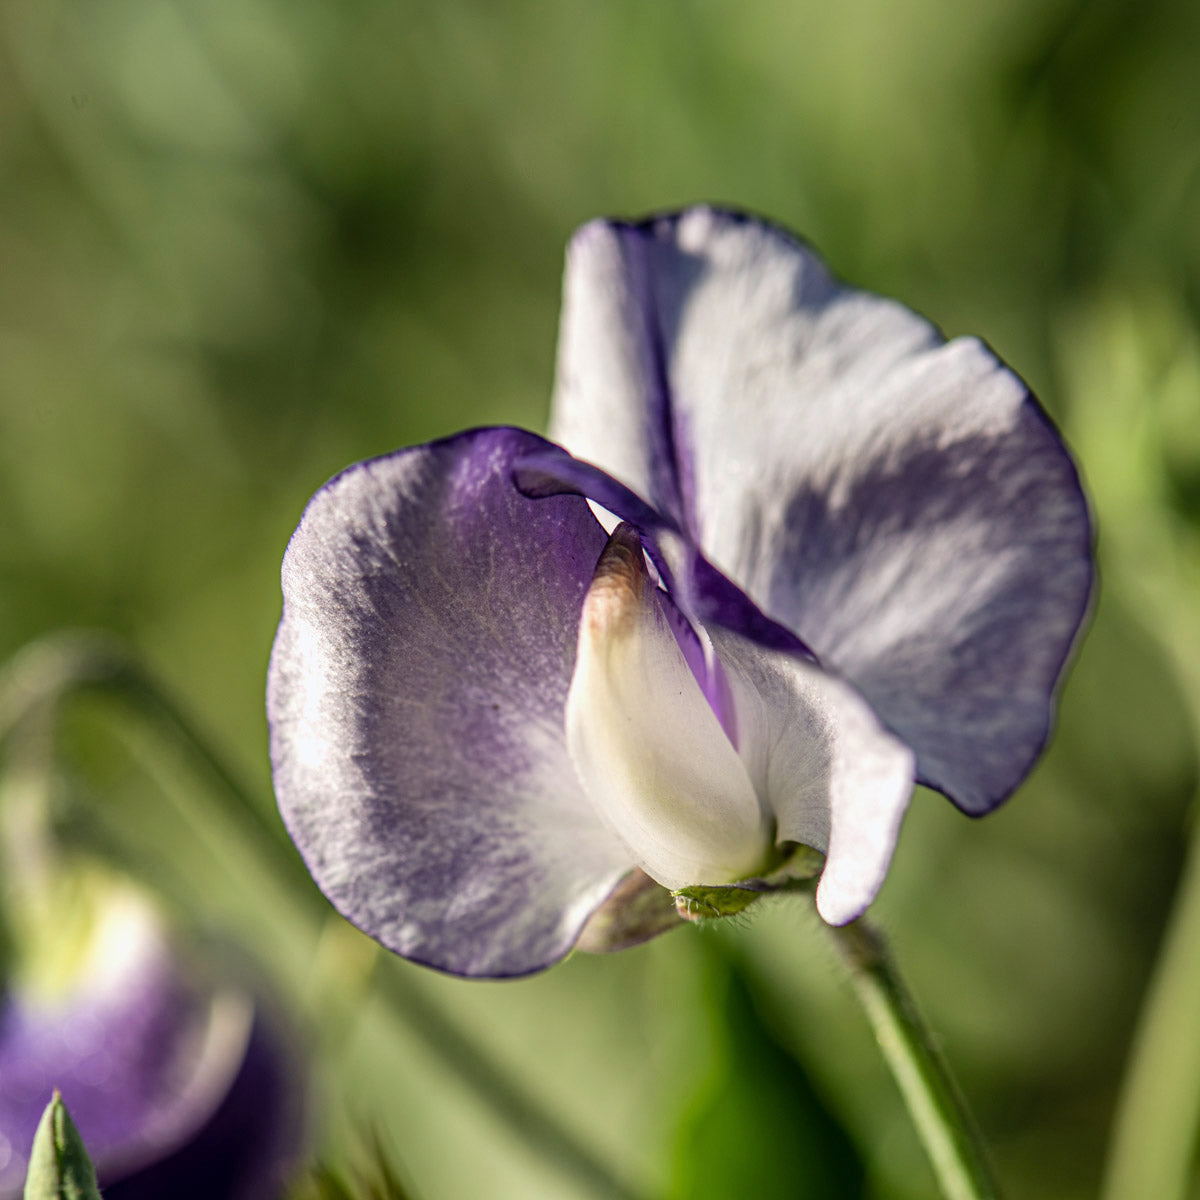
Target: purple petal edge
{"x": 702, "y": 592}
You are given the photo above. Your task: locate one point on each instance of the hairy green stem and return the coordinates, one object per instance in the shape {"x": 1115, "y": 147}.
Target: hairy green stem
{"x": 933, "y": 1100}
{"x": 61, "y": 665}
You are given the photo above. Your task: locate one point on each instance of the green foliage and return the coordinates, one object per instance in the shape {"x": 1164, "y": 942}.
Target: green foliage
{"x": 756, "y": 1125}
{"x": 376, "y": 1180}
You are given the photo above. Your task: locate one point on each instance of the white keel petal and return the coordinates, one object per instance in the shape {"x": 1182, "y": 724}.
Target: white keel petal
{"x": 646, "y": 745}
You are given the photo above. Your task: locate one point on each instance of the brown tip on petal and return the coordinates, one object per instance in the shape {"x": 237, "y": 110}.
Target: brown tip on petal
{"x": 618, "y": 585}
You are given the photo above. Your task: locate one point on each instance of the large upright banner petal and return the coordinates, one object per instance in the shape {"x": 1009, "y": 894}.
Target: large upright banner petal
{"x": 901, "y": 503}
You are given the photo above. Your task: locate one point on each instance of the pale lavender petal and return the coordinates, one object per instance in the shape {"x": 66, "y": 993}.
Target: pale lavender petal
{"x": 416, "y": 698}
{"x": 834, "y": 778}
{"x": 899, "y": 502}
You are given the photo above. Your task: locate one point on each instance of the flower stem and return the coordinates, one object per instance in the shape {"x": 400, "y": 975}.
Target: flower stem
{"x": 58, "y": 666}
{"x": 933, "y": 1100}
{"x": 1153, "y": 1147}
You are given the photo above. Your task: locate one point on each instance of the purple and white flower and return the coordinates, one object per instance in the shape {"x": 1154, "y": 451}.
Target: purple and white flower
{"x": 179, "y": 1085}
{"x": 789, "y": 552}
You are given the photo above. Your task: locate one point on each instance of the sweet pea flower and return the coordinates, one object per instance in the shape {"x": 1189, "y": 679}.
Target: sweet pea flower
{"x": 788, "y": 553}
{"x": 180, "y": 1084}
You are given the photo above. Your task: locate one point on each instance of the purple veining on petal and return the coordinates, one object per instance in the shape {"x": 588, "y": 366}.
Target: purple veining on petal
{"x": 900, "y": 503}
{"x": 1023, "y": 501}
{"x": 416, "y": 699}
{"x": 670, "y": 469}
{"x": 800, "y": 460}
{"x": 548, "y": 470}
{"x": 551, "y": 471}
{"x": 702, "y": 592}
{"x": 721, "y": 602}
{"x": 705, "y": 666}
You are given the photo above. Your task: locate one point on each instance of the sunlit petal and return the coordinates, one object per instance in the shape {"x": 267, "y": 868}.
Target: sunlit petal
{"x": 417, "y": 694}
{"x": 833, "y": 777}
{"x": 899, "y": 502}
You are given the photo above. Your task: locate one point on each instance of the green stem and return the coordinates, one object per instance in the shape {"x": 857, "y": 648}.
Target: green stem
{"x": 1156, "y": 1128}
{"x": 933, "y": 1100}
{"x": 64, "y": 664}
{"x": 1153, "y": 1147}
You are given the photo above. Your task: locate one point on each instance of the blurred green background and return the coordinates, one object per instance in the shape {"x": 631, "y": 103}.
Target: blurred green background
{"x": 246, "y": 242}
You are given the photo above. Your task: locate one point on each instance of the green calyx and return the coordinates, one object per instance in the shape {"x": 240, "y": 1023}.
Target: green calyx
{"x": 59, "y": 1167}
{"x": 706, "y": 903}
{"x": 793, "y": 869}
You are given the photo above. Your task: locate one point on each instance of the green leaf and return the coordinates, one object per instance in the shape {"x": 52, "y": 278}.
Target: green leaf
{"x": 756, "y": 1126}
{"x": 59, "y": 1167}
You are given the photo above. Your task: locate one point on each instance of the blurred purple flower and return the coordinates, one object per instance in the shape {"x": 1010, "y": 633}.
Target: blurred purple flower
{"x": 852, "y": 556}
{"x": 179, "y": 1087}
